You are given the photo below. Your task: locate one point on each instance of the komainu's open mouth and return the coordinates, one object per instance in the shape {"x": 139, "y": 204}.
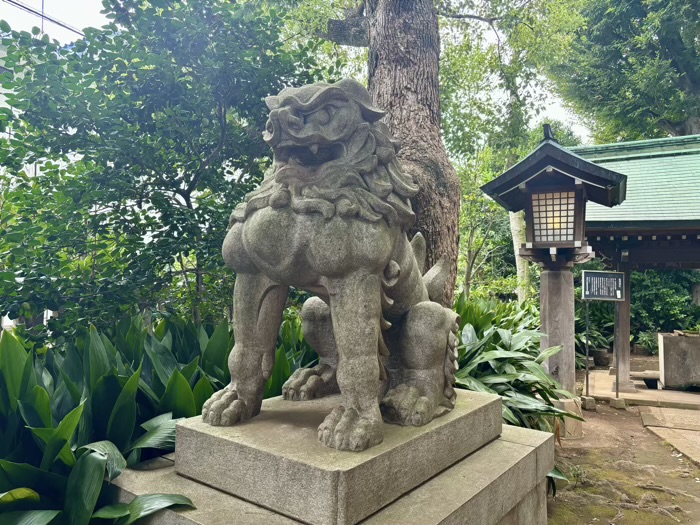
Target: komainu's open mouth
{"x": 312, "y": 156}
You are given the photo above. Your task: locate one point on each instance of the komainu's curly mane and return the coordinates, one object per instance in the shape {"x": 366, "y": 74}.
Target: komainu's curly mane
{"x": 332, "y": 157}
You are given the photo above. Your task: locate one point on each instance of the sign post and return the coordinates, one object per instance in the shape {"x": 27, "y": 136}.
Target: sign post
{"x": 602, "y": 286}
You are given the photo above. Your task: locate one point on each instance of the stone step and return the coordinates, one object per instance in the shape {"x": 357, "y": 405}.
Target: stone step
{"x": 275, "y": 459}
{"x": 503, "y": 483}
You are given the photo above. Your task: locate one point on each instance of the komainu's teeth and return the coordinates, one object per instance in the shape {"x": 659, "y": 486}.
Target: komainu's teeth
{"x": 314, "y": 148}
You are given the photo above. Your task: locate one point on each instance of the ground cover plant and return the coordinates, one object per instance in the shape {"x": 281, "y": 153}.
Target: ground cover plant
{"x": 77, "y": 412}
{"x": 500, "y": 354}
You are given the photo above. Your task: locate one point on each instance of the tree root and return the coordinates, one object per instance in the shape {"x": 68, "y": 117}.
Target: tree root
{"x": 672, "y": 492}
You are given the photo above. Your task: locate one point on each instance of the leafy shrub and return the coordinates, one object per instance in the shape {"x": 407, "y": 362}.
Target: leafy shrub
{"x": 500, "y": 355}
{"x": 51, "y": 471}
{"x": 650, "y": 341}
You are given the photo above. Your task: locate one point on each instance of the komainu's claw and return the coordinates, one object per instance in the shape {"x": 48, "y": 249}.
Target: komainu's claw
{"x": 404, "y": 405}
{"x": 346, "y": 429}
{"x": 224, "y": 408}
{"x": 311, "y": 383}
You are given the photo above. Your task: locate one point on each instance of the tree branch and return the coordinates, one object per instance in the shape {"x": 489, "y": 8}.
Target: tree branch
{"x": 478, "y": 18}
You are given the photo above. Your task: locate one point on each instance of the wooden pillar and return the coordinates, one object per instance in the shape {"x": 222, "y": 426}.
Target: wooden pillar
{"x": 622, "y": 334}
{"x": 557, "y": 317}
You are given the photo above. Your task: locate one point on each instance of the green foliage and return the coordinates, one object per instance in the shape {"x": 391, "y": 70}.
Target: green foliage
{"x": 50, "y": 471}
{"x": 633, "y": 68}
{"x": 500, "y": 354}
{"x": 128, "y": 150}
{"x": 650, "y": 341}
{"x": 662, "y": 301}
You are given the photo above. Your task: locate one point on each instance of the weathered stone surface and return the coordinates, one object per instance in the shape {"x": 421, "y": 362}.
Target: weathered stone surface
{"x": 481, "y": 489}
{"x": 679, "y": 361}
{"x": 531, "y": 510}
{"x": 499, "y": 484}
{"x": 543, "y": 442}
{"x": 571, "y": 428}
{"x": 213, "y": 507}
{"x": 331, "y": 218}
{"x": 274, "y": 459}
{"x": 670, "y": 418}
{"x": 618, "y": 403}
{"x": 686, "y": 442}
{"x": 588, "y": 403}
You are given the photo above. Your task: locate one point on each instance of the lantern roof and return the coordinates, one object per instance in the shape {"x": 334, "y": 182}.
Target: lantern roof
{"x": 550, "y": 164}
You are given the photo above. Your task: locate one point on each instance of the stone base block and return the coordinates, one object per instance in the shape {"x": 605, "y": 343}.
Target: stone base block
{"x": 275, "y": 460}
{"x": 588, "y": 403}
{"x": 502, "y": 483}
{"x": 571, "y": 428}
{"x": 618, "y": 403}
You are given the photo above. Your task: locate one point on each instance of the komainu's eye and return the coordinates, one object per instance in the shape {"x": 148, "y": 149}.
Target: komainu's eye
{"x": 322, "y": 116}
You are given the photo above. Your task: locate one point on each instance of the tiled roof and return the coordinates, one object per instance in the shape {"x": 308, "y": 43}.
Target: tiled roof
{"x": 663, "y": 181}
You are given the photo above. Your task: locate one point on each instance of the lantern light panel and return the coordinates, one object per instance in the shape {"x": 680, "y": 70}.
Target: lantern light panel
{"x": 553, "y": 215}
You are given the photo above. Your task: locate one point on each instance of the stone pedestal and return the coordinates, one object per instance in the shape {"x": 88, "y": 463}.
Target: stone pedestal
{"x": 273, "y": 458}
{"x": 406, "y": 480}
{"x": 557, "y": 315}
{"x": 679, "y": 361}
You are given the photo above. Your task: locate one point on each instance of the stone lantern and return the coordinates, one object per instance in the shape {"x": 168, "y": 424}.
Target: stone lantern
{"x": 552, "y": 185}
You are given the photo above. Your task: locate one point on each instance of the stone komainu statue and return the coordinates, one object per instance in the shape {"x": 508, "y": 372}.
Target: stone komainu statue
{"x": 331, "y": 218}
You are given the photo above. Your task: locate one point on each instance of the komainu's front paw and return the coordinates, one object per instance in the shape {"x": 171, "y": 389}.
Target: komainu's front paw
{"x": 224, "y": 408}
{"x": 405, "y": 405}
{"x": 346, "y": 429}
{"x": 311, "y": 383}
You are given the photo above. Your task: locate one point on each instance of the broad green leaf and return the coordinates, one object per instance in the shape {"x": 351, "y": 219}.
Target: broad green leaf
{"x": 280, "y": 373}
{"x": 61, "y": 436}
{"x": 546, "y": 354}
{"x": 104, "y": 398}
{"x": 29, "y": 517}
{"x": 14, "y": 475}
{"x": 12, "y": 359}
{"x": 189, "y": 370}
{"x": 475, "y": 385}
{"x": 217, "y": 350}
{"x": 203, "y": 390}
{"x": 147, "y": 504}
{"x": 178, "y": 397}
{"x": 157, "y": 421}
{"x": 96, "y": 360}
{"x": 115, "y": 460}
{"x": 19, "y": 494}
{"x": 557, "y": 474}
{"x": 44, "y": 434}
{"x": 163, "y": 361}
{"x": 123, "y": 418}
{"x": 112, "y": 512}
{"x": 161, "y": 437}
{"x": 36, "y": 408}
{"x": 84, "y": 487}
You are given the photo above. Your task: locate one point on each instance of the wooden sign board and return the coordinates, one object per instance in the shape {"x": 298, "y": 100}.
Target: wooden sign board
{"x": 603, "y": 286}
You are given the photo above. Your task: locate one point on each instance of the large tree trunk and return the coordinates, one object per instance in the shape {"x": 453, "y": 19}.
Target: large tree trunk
{"x": 404, "y": 54}
{"x": 517, "y": 230}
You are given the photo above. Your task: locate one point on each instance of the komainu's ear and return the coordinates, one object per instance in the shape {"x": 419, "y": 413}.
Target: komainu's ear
{"x": 272, "y": 102}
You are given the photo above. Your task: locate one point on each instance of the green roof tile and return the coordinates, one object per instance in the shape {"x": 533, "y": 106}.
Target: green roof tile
{"x": 663, "y": 180}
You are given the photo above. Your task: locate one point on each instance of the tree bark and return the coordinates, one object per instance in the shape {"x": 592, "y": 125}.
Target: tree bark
{"x": 517, "y": 229}
{"x": 404, "y": 56}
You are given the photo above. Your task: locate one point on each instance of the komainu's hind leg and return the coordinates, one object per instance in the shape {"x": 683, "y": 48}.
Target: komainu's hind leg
{"x": 257, "y": 315}
{"x": 319, "y": 380}
{"x": 425, "y": 339}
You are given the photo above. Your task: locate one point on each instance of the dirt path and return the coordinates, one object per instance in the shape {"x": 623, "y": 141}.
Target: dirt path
{"x": 622, "y": 474}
